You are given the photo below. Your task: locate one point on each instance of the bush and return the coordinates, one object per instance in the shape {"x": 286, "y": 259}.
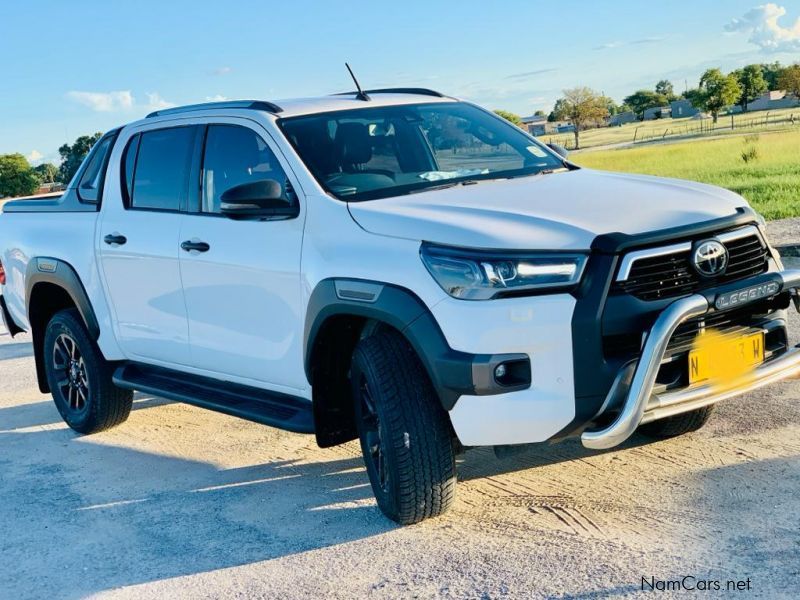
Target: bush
{"x": 750, "y": 154}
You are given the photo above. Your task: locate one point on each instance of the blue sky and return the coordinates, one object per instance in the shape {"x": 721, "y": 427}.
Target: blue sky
{"x": 82, "y": 66}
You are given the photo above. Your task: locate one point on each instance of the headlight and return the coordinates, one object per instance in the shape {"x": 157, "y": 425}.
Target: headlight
{"x": 482, "y": 275}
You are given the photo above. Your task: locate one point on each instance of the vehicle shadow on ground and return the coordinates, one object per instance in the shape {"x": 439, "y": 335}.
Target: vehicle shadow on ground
{"x": 83, "y": 515}
{"x": 16, "y": 350}
{"x": 477, "y": 463}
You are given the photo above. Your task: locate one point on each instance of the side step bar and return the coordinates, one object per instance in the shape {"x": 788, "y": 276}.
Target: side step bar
{"x": 253, "y": 404}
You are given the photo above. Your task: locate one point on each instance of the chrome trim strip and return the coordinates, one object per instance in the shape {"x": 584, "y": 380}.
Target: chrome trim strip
{"x": 641, "y": 406}
{"x": 738, "y": 234}
{"x": 632, "y": 257}
{"x": 629, "y": 259}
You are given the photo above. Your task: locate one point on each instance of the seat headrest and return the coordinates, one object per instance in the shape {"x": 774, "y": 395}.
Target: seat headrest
{"x": 353, "y": 144}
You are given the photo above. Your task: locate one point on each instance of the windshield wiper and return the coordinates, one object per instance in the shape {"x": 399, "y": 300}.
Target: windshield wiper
{"x": 440, "y": 186}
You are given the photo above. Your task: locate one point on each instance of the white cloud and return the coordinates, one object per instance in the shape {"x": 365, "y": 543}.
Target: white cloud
{"x": 761, "y": 23}
{"x": 609, "y": 46}
{"x": 222, "y": 71}
{"x": 103, "y": 101}
{"x": 639, "y": 42}
{"x": 34, "y": 156}
{"x": 527, "y": 74}
{"x": 216, "y": 98}
{"x": 120, "y": 101}
{"x": 156, "y": 102}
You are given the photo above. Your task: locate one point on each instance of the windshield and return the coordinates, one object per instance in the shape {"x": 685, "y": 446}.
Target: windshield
{"x": 372, "y": 153}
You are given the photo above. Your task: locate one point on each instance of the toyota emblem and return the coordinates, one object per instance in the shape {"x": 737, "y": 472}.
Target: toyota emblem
{"x": 710, "y": 258}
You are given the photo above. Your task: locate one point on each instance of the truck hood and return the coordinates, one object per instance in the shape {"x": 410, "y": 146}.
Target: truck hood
{"x": 560, "y": 211}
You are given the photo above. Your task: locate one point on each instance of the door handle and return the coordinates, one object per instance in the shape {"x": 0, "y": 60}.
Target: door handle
{"x": 115, "y": 239}
{"x": 189, "y": 245}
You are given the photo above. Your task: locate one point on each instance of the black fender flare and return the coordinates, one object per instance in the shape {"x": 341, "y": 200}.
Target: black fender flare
{"x": 62, "y": 274}
{"x": 452, "y": 372}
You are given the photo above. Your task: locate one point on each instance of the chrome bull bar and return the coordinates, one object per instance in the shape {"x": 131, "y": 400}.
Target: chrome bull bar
{"x": 642, "y": 406}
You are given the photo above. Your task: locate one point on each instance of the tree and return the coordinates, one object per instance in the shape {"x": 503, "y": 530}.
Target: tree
{"x": 539, "y": 113}
{"x": 72, "y": 156}
{"x": 17, "y": 178}
{"x": 558, "y": 109}
{"x": 643, "y": 99}
{"x": 772, "y": 72}
{"x": 718, "y": 91}
{"x": 47, "y": 172}
{"x": 581, "y": 106}
{"x": 512, "y": 118}
{"x": 666, "y": 89}
{"x": 612, "y": 106}
{"x": 751, "y": 80}
{"x": 694, "y": 96}
{"x": 789, "y": 80}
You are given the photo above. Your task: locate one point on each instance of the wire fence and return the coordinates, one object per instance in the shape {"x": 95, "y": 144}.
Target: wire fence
{"x": 658, "y": 130}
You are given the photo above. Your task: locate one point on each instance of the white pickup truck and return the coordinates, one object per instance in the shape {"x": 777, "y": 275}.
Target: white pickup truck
{"x": 395, "y": 265}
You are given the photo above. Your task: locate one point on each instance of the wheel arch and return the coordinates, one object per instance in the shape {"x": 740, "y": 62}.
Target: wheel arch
{"x": 52, "y": 285}
{"x": 339, "y": 312}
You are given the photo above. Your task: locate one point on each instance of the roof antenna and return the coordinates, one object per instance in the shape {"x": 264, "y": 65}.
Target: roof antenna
{"x": 361, "y": 94}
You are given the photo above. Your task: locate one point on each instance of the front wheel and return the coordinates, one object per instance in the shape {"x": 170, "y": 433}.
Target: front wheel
{"x": 405, "y": 433}
{"x": 80, "y": 378}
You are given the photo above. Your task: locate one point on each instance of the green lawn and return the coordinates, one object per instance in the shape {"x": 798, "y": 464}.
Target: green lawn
{"x": 771, "y": 181}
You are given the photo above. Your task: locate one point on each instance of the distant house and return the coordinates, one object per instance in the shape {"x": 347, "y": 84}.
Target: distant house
{"x": 772, "y": 101}
{"x": 658, "y": 112}
{"x": 682, "y": 108}
{"x": 49, "y": 188}
{"x": 535, "y": 124}
{"x": 622, "y": 118}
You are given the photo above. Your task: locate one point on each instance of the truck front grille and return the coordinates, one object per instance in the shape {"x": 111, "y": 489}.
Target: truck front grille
{"x": 672, "y": 275}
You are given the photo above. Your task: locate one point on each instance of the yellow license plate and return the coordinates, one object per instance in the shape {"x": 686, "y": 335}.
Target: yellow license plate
{"x": 726, "y": 356}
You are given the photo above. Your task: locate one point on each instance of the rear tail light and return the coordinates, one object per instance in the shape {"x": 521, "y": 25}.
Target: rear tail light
{"x": 2, "y": 274}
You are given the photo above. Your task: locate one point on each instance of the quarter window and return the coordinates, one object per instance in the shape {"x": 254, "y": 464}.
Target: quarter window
{"x": 161, "y": 170}
{"x": 89, "y": 187}
{"x": 235, "y": 155}
{"x": 129, "y": 161}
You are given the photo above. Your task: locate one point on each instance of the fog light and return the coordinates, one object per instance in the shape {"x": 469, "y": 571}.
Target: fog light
{"x": 512, "y": 373}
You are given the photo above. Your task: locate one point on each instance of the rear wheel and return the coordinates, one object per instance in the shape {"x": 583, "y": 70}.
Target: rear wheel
{"x": 404, "y": 431}
{"x": 679, "y": 424}
{"x": 80, "y": 378}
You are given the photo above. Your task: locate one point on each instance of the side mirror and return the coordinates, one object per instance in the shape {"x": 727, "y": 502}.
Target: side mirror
{"x": 262, "y": 199}
{"x": 559, "y": 149}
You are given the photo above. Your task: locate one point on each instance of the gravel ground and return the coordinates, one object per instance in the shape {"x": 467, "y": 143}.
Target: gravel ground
{"x": 184, "y": 503}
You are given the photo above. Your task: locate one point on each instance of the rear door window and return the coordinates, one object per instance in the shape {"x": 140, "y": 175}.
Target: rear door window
{"x": 161, "y": 171}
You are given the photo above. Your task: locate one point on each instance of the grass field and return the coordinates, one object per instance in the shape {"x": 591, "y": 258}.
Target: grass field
{"x": 770, "y": 179}
{"x": 671, "y": 128}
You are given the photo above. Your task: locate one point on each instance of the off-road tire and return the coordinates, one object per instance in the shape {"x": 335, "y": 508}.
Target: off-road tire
{"x": 101, "y": 405}
{"x": 679, "y": 424}
{"x": 414, "y": 430}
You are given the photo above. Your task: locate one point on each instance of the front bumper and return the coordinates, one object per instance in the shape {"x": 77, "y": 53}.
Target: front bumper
{"x": 641, "y": 405}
